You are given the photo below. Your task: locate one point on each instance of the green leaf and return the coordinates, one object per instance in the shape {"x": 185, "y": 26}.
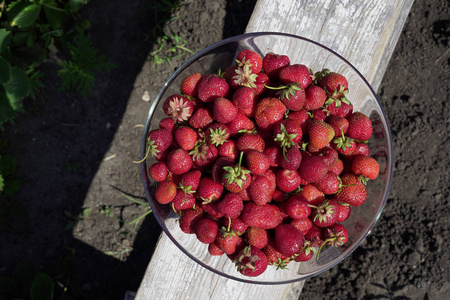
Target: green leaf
{"x": 42, "y": 287}
{"x": 5, "y": 39}
{"x": 7, "y": 114}
{"x": 75, "y": 5}
{"x": 24, "y": 15}
{"x": 24, "y": 274}
{"x": 2, "y": 185}
{"x": 4, "y": 71}
{"x": 17, "y": 88}
{"x": 56, "y": 17}
{"x": 7, "y": 164}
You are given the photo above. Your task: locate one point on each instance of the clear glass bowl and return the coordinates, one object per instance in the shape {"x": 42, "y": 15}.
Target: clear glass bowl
{"x": 300, "y": 50}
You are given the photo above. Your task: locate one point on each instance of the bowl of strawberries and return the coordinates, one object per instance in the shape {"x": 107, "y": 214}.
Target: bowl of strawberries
{"x": 267, "y": 158}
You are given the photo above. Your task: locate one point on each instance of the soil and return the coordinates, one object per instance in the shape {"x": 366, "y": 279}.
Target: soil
{"x": 72, "y": 214}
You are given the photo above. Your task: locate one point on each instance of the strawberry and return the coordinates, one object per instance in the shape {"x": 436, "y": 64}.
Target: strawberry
{"x": 279, "y": 195}
{"x": 158, "y": 171}
{"x": 189, "y": 218}
{"x": 292, "y": 96}
{"x": 268, "y": 112}
{"x": 259, "y": 190}
{"x": 224, "y": 110}
{"x": 352, "y": 192}
{"x": 301, "y": 117}
{"x": 344, "y": 145}
{"x": 214, "y": 249}
{"x": 343, "y": 110}
{"x": 217, "y": 133}
{"x": 329, "y": 184}
{"x": 318, "y": 114}
{"x": 344, "y": 212}
{"x": 291, "y": 159}
{"x": 314, "y": 236}
{"x": 274, "y": 154}
{"x": 325, "y": 214}
{"x": 165, "y": 191}
{"x": 338, "y": 123}
{"x": 306, "y": 252}
{"x": 189, "y": 181}
{"x": 236, "y": 178}
{"x": 312, "y": 169}
{"x": 287, "y": 180}
{"x": 304, "y": 225}
{"x": 289, "y": 239}
{"x": 178, "y": 107}
{"x": 242, "y": 76}
{"x": 273, "y": 63}
{"x": 235, "y": 224}
{"x": 186, "y": 137}
{"x": 217, "y": 168}
{"x": 211, "y": 210}
{"x": 336, "y": 86}
{"x": 206, "y": 230}
{"x": 250, "y": 141}
{"x": 320, "y": 134}
{"x": 183, "y": 200}
{"x": 201, "y": 119}
{"x": 361, "y": 149}
{"x": 315, "y": 97}
{"x": 179, "y": 161}
{"x": 251, "y": 58}
{"x": 189, "y": 84}
{"x": 366, "y": 166}
{"x": 245, "y": 195}
{"x": 257, "y": 162}
{"x": 272, "y": 179}
{"x": 257, "y": 237}
{"x": 211, "y": 86}
{"x": 287, "y": 133}
{"x": 359, "y": 127}
{"x": 262, "y": 80}
{"x": 274, "y": 255}
{"x": 329, "y": 156}
{"x": 208, "y": 190}
{"x": 297, "y": 73}
{"x": 297, "y": 208}
{"x": 167, "y": 123}
{"x": 158, "y": 140}
{"x": 230, "y": 206}
{"x": 204, "y": 154}
{"x": 312, "y": 195}
{"x": 338, "y": 168}
{"x": 251, "y": 261}
{"x": 262, "y": 216}
{"x": 245, "y": 99}
{"x": 227, "y": 240}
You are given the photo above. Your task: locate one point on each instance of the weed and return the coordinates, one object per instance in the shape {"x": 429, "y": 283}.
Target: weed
{"x": 72, "y": 167}
{"x": 73, "y": 219}
{"x": 107, "y": 210}
{"x": 170, "y": 47}
{"x": 123, "y": 249}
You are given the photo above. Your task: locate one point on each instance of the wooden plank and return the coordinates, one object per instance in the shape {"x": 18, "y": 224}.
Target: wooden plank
{"x": 365, "y": 33}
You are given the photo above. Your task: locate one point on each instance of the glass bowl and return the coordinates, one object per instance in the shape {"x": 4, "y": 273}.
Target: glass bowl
{"x": 300, "y": 50}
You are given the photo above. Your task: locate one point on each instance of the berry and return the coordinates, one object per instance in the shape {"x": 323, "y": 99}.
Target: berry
{"x": 287, "y": 180}
{"x": 268, "y": 112}
{"x": 158, "y": 171}
{"x": 186, "y": 137}
{"x": 211, "y": 86}
{"x": 312, "y": 169}
{"x": 289, "y": 239}
{"x": 273, "y": 63}
{"x": 250, "y": 58}
{"x": 250, "y": 141}
{"x": 259, "y": 190}
{"x": 230, "y": 206}
{"x": 359, "y": 127}
{"x": 165, "y": 191}
{"x": 353, "y": 192}
{"x": 274, "y": 255}
{"x": 366, "y": 166}
{"x": 251, "y": 261}
{"x": 177, "y": 107}
{"x": 236, "y": 178}
{"x": 245, "y": 99}
{"x": 257, "y": 162}
{"x": 208, "y": 190}
{"x": 224, "y": 110}
{"x": 189, "y": 84}
{"x": 179, "y": 161}
{"x": 206, "y": 230}
{"x": 298, "y": 74}
{"x": 217, "y": 134}
{"x": 257, "y": 237}
{"x": 262, "y": 216}
{"x": 297, "y": 208}
{"x": 325, "y": 214}
{"x": 320, "y": 134}
{"x": 201, "y": 119}
{"x": 315, "y": 97}
{"x": 183, "y": 200}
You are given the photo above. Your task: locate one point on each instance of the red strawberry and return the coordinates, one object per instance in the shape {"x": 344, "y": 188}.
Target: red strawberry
{"x": 211, "y": 209}
{"x": 189, "y": 84}
{"x": 273, "y": 63}
{"x": 306, "y": 252}
{"x": 291, "y": 159}
{"x": 228, "y": 149}
{"x": 312, "y": 169}
{"x": 325, "y": 214}
{"x": 304, "y": 225}
{"x": 178, "y": 107}
{"x": 211, "y": 87}
{"x": 274, "y": 154}
{"x": 301, "y": 117}
{"x": 287, "y": 132}
{"x": 315, "y": 97}
{"x": 338, "y": 123}
{"x": 236, "y": 178}
{"x": 353, "y": 192}
{"x": 251, "y": 261}
{"x": 214, "y": 249}
{"x": 242, "y": 76}
{"x": 344, "y": 145}
{"x": 344, "y": 212}
{"x": 297, "y": 207}
{"x": 217, "y": 133}
{"x": 158, "y": 171}
{"x": 201, "y": 119}
{"x": 329, "y": 184}
{"x": 292, "y": 96}
{"x": 262, "y": 216}
{"x": 274, "y": 255}
{"x": 335, "y": 84}
{"x": 287, "y": 180}
{"x": 167, "y": 123}
{"x": 260, "y": 190}
{"x": 208, "y": 190}
{"x": 217, "y": 168}
{"x": 257, "y": 162}
{"x": 298, "y": 74}
{"x": 320, "y": 134}
{"x": 165, "y": 191}
{"x": 158, "y": 140}
{"x": 315, "y": 236}
{"x": 186, "y": 137}
{"x": 206, "y": 230}
{"x": 329, "y": 156}
{"x": 257, "y": 237}
{"x": 245, "y": 99}
{"x": 250, "y": 141}
{"x": 279, "y": 195}
{"x": 262, "y": 80}
{"x": 235, "y": 224}
{"x": 366, "y": 166}
{"x": 183, "y": 200}
{"x": 338, "y": 168}
{"x": 189, "y": 181}
{"x": 245, "y": 195}
{"x": 312, "y": 195}
{"x": 224, "y": 110}
{"x": 251, "y": 58}
{"x": 360, "y": 127}
{"x": 343, "y": 110}
{"x": 268, "y": 112}
{"x": 289, "y": 239}
{"x": 204, "y": 154}
{"x": 188, "y": 220}
{"x": 336, "y": 235}
{"x": 272, "y": 179}
{"x": 230, "y": 206}
{"x": 227, "y": 241}
{"x": 179, "y": 161}
{"x": 361, "y": 149}
{"x": 240, "y": 123}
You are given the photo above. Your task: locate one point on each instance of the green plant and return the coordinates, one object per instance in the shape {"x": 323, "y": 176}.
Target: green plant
{"x": 73, "y": 219}
{"x": 169, "y": 47}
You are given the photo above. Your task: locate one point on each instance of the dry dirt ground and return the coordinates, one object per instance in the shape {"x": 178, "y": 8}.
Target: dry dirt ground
{"x": 72, "y": 215}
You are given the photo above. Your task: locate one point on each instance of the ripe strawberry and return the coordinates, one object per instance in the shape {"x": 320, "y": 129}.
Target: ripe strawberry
{"x": 210, "y": 209}
{"x": 179, "y": 161}
{"x": 245, "y": 99}
{"x": 230, "y": 206}
{"x": 272, "y": 179}
{"x": 208, "y": 190}
{"x": 235, "y": 224}
{"x": 344, "y": 145}
{"x": 274, "y": 255}
{"x": 315, "y": 236}
{"x": 259, "y": 190}
{"x": 251, "y": 261}
{"x": 214, "y": 249}
{"x": 236, "y": 178}
{"x": 186, "y": 137}
{"x": 325, "y": 214}
{"x": 189, "y": 218}
{"x": 287, "y": 180}
{"x": 257, "y": 237}
{"x": 273, "y": 63}
{"x": 320, "y": 134}
{"x": 312, "y": 169}
{"x": 217, "y": 168}
{"x": 251, "y": 58}
{"x": 297, "y": 73}
{"x": 178, "y": 107}
{"x": 304, "y": 225}
{"x": 167, "y": 123}
{"x": 315, "y": 97}
{"x": 183, "y": 200}
{"x": 268, "y": 112}
{"x": 336, "y": 85}
{"x": 366, "y": 166}
{"x": 217, "y": 133}
{"x": 361, "y": 149}
{"x": 289, "y": 239}
{"x": 158, "y": 140}
{"x": 343, "y": 110}
{"x": 274, "y": 154}
{"x": 262, "y": 80}
{"x": 206, "y": 230}
{"x": 297, "y": 207}
{"x": 158, "y": 171}
{"x": 241, "y": 123}
{"x": 224, "y": 110}
{"x": 287, "y": 133}
{"x": 344, "y": 212}
{"x": 292, "y": 159}
{"x": 245, "y": 195}
{"x": 262, "y": 216}
{"x": 204, "y": 155}
{"x": 329, "y": 156}
{"x": 292, "y": 96}
{"x": 211, "y": 87}
{"x": 329, "y": 184}
{"x": 360, "y": 127}
{"x": 189, "y": 181}
{"x": 227, "y": 240}
{"x": 201, "y": 119}
{"x": 279, "y": 195}
{"x": 352, "y": 192}
{"x": 257, "y": 162}
{"x": 338, "y": 168}
{"x": 336, "y": 235}
{"x": 312, "y": 195}
{"x": 189, "y": 84}
{"x": 250, "y": 141}
{"x": 228, "y": 149}
{"x": 306, "y": 252}
{"x": 242, "y": 76}
{"x": 301, "y": 117}
{"x": 338, "y": 123}
{"x": 165, "y": 191}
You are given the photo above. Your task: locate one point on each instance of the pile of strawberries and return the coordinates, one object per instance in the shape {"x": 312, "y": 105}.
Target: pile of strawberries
{"x": 264, "y": 161}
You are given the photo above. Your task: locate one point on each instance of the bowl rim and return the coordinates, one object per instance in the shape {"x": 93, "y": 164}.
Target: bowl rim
{"x": 143, "y": 164}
